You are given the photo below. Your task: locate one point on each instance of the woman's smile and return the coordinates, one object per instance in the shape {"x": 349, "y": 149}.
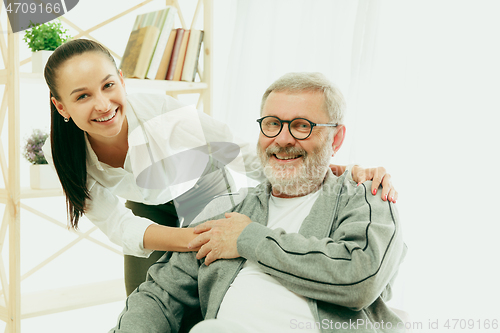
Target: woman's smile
{"x": 111, "y": 115}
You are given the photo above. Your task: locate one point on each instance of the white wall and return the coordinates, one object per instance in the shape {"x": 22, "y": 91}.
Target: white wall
{"x": 429, "y": 115}
{"x": 430, "y": 118}
{"x": 434, "y": 123}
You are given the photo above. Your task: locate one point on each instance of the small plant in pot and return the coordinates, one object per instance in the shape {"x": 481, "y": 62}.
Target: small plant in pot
{"x": 43, "y": 39}
{"x": 33, "y": 148}
{"x": 42, "y": 175}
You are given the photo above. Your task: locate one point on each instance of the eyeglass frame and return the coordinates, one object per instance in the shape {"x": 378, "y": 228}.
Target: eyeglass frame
{"x": 313, "y": 124}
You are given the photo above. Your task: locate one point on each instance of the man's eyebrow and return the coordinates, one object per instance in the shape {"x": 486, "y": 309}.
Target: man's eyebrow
{"x": 83, "y": 88}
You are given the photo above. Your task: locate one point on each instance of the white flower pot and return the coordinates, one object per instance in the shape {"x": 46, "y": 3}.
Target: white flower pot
{"x": 43, "y": 177}
{"x": 38, "y": 60}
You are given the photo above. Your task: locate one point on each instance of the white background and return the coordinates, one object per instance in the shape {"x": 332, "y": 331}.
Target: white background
{"x": 427, "y": 112}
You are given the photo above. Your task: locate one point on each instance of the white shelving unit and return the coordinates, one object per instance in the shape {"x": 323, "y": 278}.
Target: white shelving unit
{"x": 15, "y": 306}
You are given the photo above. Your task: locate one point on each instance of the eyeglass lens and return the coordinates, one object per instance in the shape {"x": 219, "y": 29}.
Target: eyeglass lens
{"x": 299, "y": 128}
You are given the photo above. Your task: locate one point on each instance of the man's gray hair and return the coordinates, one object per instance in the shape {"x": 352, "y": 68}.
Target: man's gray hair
{"x": 305, "y": 81}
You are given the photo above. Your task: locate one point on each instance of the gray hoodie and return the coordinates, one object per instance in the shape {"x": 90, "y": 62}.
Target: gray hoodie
{"x": 344, "y": 260}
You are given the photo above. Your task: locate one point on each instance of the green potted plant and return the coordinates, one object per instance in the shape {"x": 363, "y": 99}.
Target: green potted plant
{"x": 43, "y": 39}
{"x": 42, "y": 175}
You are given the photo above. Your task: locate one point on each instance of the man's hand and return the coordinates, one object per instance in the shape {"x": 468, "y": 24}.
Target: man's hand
{"x": 218, "y": 238}
{"x": 378, "y": 176}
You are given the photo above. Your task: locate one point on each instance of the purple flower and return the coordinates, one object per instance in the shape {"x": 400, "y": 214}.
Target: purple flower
{"x": 33, "y": 148}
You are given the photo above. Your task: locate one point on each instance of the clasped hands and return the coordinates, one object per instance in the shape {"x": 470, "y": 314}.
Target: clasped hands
{"x": 217, "y": 238}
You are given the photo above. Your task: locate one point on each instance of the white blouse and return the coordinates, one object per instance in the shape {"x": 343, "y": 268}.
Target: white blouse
{"x": 175, "y": 152}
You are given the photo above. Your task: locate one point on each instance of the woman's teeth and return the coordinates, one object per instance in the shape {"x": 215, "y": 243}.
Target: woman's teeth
{"x": 107, "y": 118}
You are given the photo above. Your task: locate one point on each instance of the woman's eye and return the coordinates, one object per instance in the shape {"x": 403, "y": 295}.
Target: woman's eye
{"x": 108, "y": 85}
{"x": 81, "y": 97}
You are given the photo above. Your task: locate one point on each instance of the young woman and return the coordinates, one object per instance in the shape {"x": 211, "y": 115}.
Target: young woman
{"x": 148, "y": 149}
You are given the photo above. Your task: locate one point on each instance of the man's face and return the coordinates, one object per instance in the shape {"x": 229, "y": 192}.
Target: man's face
{"x": 296, "y": 167}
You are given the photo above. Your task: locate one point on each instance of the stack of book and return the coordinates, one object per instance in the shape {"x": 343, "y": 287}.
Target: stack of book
{"x": 156, "y": 50}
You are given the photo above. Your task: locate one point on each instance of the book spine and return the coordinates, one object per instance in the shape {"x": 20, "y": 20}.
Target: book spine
{"x": 197, "y": 58}
{"x": 162, "y": 42}
{"x": 157, "y": 19}
{"x": 165, "y": 60}
{"x": 146, "y": 52}
{"x": 192, "y": 55}
{"x": 175, "y": 54}
{"x": 129, "y": 59}
{"x": 136, "y": 23}
{"x": 182, "y": 56}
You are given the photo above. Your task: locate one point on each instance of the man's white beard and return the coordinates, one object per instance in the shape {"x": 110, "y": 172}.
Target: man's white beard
{"x": 296, "y": 181}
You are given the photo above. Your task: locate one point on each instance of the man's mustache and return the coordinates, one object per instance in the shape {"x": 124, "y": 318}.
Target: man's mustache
{"x": 273, "y": 150}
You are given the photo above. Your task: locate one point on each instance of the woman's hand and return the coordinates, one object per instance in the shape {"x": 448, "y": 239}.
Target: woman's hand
{"x": 378, "y": 176}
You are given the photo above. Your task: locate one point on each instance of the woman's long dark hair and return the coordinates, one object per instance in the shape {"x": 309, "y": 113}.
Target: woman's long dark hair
{"x": 67, "y": 140}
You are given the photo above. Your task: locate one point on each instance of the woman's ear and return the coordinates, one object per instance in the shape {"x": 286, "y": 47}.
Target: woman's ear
{"x": 121, "y": 78}
{"x": 60, "y": 108}
{"x": 338, "y": 138}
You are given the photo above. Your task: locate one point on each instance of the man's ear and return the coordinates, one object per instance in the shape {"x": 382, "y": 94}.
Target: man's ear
{"x": 338, "y": 138}
{"x": 59, "y": 107}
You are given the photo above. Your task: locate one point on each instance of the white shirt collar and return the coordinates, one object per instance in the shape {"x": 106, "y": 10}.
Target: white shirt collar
{"x": 92, "y": 159}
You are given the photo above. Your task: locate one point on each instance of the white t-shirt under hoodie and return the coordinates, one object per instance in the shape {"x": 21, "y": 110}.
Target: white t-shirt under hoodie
{"x": 256, "y": 300}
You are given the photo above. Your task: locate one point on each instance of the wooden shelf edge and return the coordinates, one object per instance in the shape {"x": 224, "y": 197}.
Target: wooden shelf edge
{"x": 70, "y": 298}
{"x": 166, "y": 85}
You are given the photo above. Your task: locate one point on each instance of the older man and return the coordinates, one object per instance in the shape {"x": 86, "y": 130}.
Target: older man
{"x": 303, "y": 251}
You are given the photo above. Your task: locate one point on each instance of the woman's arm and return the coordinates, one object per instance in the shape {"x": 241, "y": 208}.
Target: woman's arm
{"x": 162, "y": 238}
{"x": 378, "y": 176}
{"x": 138, "y": 236}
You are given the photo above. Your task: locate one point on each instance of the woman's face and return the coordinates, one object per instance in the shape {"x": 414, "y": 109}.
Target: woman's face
{"x": 93, "y": 94}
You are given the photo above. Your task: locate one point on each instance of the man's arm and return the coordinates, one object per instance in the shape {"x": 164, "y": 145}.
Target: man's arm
{"x": 158, "y": 305}
{"x": 351, "y": 267}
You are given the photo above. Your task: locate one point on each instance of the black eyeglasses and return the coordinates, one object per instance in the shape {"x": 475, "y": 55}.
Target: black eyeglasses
{"x": 300, "y": 128}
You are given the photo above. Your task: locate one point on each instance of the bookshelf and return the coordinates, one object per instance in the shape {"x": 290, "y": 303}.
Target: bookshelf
{"x": 14, "y": 305}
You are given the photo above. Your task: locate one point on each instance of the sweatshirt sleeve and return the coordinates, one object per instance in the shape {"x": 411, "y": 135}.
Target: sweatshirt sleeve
{"x": 351, "y": 267}
{"x": 159, "y": 304}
